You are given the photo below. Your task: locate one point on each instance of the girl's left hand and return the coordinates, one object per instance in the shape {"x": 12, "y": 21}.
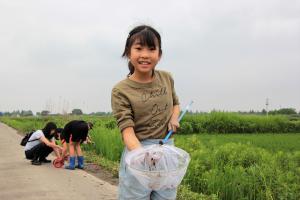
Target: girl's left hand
{"x": 173, "y": 124}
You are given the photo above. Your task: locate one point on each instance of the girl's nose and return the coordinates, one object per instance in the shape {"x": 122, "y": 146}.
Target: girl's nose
{"x": 145, "y": 54}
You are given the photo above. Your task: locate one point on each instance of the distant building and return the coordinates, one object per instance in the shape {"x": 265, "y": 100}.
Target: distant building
{"x": 45, "y": 112}
{"x": 77, "y": 112}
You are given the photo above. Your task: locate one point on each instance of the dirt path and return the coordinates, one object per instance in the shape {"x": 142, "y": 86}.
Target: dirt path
{"x": 21, "y": 180}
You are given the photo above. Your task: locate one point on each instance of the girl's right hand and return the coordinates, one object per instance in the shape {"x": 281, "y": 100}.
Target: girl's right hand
{"x": 130, "y": 140}
{"x": 59, "y": 147}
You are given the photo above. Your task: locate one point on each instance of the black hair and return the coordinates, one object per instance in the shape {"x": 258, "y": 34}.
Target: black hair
{"x": 57, "y": 132}
{"x": 147, "y": 36}
{"x": 48, "y": 128}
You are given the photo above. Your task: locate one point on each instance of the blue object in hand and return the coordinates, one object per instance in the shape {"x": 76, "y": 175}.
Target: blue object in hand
{"x": 179, "y": 119}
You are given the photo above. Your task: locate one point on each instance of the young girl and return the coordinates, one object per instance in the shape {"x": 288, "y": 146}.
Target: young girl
{"x": 145, "y": 106}
{"x": 41, "y": 144}
{"x": 74, "y": 133}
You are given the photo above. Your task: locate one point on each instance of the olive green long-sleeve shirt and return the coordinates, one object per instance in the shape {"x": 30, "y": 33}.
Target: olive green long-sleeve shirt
{"x": 147, "y": 107}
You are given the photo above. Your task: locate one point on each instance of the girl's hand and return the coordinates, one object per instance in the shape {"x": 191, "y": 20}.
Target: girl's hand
{"x": 59, "y": 147}
{"x": 130, "y": 140}
{"x": 59, "y": 159}
{"x": 173, "y": 124}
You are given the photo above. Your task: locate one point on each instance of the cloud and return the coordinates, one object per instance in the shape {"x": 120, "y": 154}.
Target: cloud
{"x": 229, "y": 55}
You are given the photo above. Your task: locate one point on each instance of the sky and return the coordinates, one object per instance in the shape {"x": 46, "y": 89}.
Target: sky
{"x": 224, "y": 55}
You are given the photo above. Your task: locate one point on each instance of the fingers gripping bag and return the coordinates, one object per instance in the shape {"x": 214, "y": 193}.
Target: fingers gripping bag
{"x": 158, "y": 167}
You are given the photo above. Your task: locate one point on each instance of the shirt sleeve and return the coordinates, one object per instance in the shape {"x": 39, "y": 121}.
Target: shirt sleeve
{"x": 174, "y": 95}
{"x": 121, "y": 109}
{"x": 38, "y": 134}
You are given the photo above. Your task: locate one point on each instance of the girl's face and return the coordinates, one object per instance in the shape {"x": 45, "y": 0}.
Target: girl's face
{"x": 143, "y": 58}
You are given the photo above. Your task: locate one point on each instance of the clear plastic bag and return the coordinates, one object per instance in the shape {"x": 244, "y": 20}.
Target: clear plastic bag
{"x": 158, "y": 167}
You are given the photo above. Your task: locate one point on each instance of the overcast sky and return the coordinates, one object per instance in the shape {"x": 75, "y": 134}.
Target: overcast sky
{"x": 227, "y": 55}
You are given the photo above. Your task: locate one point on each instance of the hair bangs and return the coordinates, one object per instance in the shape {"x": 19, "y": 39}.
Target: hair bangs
{"x": 145, "y": 38}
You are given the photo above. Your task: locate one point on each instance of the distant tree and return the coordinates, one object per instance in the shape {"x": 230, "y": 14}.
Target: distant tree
{"x": 77, "y": 111}
{"x": 283, "y": 111}
{"x": 15, "y": 113}
{"x": 263, "y": 111}
{"x": 26, "y": 113}
{"x": 38, "y": 113}
{"x": 273, "y": 112}
{"x": 287, "y": 111}
{"x": 100, "y": 113}
{"x": 45, "y": 112}
{"x": 7, "y": 114}
{"x": 1, "y": 114}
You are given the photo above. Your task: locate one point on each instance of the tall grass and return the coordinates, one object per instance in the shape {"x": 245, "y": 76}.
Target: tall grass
{"x": 224, "y": 122}
{"x": 287, "y": 142}
{"x": 241, "y": 171}
{"x": 108, "y": 143}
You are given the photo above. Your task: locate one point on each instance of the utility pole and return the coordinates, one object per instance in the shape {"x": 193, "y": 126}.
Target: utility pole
{"x": 267, "y": 105}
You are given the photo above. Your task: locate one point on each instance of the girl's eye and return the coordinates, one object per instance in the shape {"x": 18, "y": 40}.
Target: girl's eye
{"x": 152, "y": 48}
{"x": 138, "y": 48}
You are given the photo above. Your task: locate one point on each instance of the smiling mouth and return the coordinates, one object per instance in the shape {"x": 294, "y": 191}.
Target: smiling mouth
{"x": 144, "y": 63}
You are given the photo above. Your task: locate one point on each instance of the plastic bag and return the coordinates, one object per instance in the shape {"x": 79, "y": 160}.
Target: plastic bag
{"x": 158, "y": 167}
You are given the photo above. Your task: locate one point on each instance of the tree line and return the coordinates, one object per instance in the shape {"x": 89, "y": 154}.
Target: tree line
{"x": 28, "y": 113}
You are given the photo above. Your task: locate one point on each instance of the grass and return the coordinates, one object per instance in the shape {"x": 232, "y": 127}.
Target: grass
{"x": 223, "y": 166}
{"x": 225, "y": 122}
{"x": 287, "y": 142}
